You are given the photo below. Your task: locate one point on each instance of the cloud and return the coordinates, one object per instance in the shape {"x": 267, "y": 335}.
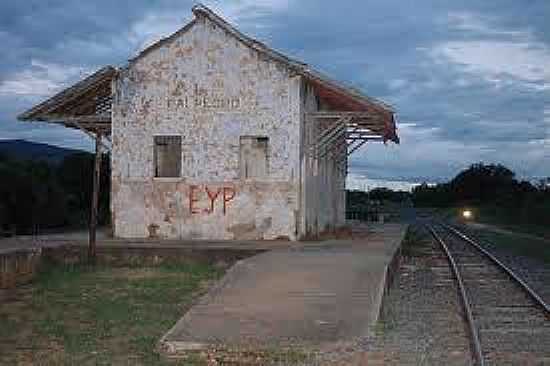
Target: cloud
{"x": 478, "y": 24}
{"x": 499, "y": 55}
{"x": 152, "y": 27}
{"x": 421, "y": 151}
{"x": 248, "y": 9}
{"x": 424, "y": 150}
{"x": 362, "y": 183}
{"x": 40, "y": 79}
{"x": 396, "y": 84}
{"x": 156, "y": 25}
{"x": 498, "y": 61}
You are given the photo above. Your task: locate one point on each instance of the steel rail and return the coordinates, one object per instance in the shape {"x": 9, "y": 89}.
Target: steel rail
{"x": 478, "y": 354}
{"x": 502, "y": 266}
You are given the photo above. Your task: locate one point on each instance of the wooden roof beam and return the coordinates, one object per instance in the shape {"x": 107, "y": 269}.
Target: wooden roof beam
{"x": 95, "y": 119}
{"x": 92, "y": 83}
{"x": 342, "y": 114}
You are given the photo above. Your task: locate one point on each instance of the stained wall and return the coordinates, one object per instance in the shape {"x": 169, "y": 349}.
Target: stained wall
{"x": 211, "y": 89}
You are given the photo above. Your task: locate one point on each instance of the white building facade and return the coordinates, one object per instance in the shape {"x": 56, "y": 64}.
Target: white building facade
{"x": 216, "y": 136}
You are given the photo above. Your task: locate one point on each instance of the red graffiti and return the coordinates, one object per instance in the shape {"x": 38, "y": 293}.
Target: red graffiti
{"x": 212, "y": 197}
{"x": 193, "y": 199}
{"x": 227, "y": 193}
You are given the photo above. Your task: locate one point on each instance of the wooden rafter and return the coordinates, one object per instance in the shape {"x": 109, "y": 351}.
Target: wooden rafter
{"x": 94, "y": 120}
{"x": 85, "y": 106}
{"x": 327, "y": 140}
{"x": 74, "y": 93}
{"x": 345, "y": 132}
{"x": 357, "y": 146}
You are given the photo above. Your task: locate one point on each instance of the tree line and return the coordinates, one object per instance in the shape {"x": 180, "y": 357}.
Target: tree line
{"x": 360, "y": 199}
{"x": 40, "y": 196}
{"x": 493, "y": 189}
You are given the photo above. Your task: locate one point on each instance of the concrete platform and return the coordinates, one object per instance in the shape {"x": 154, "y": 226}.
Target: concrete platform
{"x": 311, "y": 294}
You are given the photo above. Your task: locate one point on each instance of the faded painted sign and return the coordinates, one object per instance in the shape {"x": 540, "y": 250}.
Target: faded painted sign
{"x": 200, "y": 99}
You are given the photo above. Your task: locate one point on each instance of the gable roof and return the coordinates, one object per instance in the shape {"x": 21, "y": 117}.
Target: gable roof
{"x": 300, "y": 67}
{"x": 335, "y": 93}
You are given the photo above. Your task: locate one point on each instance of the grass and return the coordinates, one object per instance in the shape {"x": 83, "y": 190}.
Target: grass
{"x": 496, "y": 216}
{"x": 516, "y": 242}
{"x": 523, "y": 239}
{"x": 537, "y": 230}
{"x": 500, "y": 217}
{"x": 97, "y": 316}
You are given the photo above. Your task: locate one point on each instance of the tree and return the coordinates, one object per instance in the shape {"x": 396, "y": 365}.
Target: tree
{"x": 493, "y": 188}
{"x": 36, "y": 195}
{"x": 75, "y": 176}
{"x": 482, "y": 183}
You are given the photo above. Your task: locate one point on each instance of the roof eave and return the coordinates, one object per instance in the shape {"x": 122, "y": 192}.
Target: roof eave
{"x": 41, "y": 111}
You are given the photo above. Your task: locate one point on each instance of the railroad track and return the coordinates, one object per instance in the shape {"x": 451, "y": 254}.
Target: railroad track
{"x": 508, "y": 322}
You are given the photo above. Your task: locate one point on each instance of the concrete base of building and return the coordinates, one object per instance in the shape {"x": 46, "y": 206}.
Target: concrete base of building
{"x": 319, "y": 294}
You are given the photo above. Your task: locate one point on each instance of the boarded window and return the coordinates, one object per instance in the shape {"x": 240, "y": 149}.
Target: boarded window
{"x": 167, "y": 156}
{"x": 253, "y": 158}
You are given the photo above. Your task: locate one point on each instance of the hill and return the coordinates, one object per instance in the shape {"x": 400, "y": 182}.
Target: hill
{"x": 27, "y": 150}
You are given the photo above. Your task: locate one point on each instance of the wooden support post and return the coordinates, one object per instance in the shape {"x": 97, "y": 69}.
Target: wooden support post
{"x": 95, "y": 199}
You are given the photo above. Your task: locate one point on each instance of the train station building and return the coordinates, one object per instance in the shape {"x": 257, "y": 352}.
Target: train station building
{"x": 213, "y": 135}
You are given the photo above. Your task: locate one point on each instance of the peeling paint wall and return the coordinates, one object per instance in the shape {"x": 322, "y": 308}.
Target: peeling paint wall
{"x": 209, "y": 88}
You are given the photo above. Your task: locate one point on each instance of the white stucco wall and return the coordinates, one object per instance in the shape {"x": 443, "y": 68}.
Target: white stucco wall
{"x": 209, "y": 88}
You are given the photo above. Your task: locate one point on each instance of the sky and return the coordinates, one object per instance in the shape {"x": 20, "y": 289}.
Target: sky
{"x": 470, "y": 80}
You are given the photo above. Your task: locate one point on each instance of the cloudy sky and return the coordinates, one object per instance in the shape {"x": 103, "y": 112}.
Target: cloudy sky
{"x": 470, "y": 79}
